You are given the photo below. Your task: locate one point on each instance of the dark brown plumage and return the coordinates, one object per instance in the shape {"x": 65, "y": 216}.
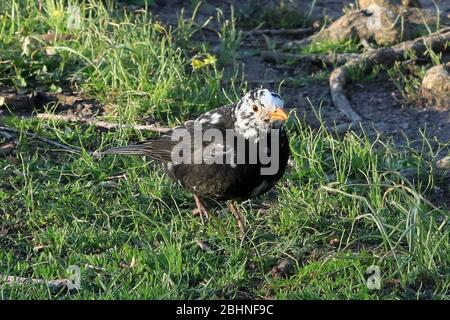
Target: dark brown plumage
{"x": 257, "y": 118}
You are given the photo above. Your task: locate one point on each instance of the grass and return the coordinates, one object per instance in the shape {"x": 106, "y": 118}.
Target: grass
{"x": 273, "y": 16}
{"x": 230, "y": 37}
{"x": 345, "y": 204}
{"x": 408, "y": 80}
{"x": 332, "y": 47}
{"x": 407, "y": 77}
{"x": 115, "y": 56}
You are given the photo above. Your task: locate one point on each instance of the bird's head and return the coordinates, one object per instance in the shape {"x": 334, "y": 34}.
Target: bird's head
{"x": 259, "y": 111}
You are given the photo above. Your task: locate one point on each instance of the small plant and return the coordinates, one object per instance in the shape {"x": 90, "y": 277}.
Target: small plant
{"x": 328, "y": 46}
{"x": 407, "y": 76}
{"x": 252, "y": 16}
{"x": 186, "y": 28}
{"x": 436, "y": 59}
{"x": 359, "y": 74}
{"x": 230, "y": 37}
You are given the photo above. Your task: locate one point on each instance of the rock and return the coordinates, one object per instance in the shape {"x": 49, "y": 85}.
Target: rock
{"x": 443, "y": 163}
{"x": 6, "y": 149}
{"x": 389, "y": 4}
{"x": 435, "y": 89}
{"x": 283, "y": 269}
{"x": 203, "y": 245}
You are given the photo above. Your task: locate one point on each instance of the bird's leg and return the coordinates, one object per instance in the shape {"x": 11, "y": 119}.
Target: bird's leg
{"x": 201, "y": 209}
{"x": 238, "y": 216}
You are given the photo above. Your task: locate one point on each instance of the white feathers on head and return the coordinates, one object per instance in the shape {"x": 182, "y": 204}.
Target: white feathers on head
{"x": 252, "y": 112}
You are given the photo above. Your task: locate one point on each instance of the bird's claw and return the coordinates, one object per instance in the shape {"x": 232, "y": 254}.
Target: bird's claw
{"x": 201, "y": 209}
{"x": 239, "y": 218}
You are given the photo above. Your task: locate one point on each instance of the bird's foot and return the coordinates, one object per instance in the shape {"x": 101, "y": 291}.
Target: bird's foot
{"x": 239, "y": 218}
{"x": 201, "y": 209}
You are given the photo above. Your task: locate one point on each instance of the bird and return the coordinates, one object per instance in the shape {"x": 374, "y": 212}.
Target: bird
{"x": 232, "y": 153}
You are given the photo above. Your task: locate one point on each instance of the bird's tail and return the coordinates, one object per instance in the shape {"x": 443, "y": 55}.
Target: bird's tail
{"x": 151, "y": 148}
{"x": 133, "y": 149}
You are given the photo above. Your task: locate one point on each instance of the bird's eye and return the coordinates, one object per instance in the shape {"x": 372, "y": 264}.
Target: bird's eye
{"x": 255, "y": 108}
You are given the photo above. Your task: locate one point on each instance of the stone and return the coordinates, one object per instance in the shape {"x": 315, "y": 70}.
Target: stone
{"x": 435, "y": 88}
{"x": 389, "y": 4}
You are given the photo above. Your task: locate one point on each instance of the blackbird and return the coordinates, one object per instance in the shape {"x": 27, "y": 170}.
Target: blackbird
{"x": 234, "y": 152}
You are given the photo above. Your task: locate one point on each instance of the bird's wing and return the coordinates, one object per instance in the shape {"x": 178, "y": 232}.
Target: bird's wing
{"x": 182, "y": 137}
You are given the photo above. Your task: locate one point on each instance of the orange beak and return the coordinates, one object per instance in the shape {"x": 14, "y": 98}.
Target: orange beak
{"x": 278, "y": 114}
